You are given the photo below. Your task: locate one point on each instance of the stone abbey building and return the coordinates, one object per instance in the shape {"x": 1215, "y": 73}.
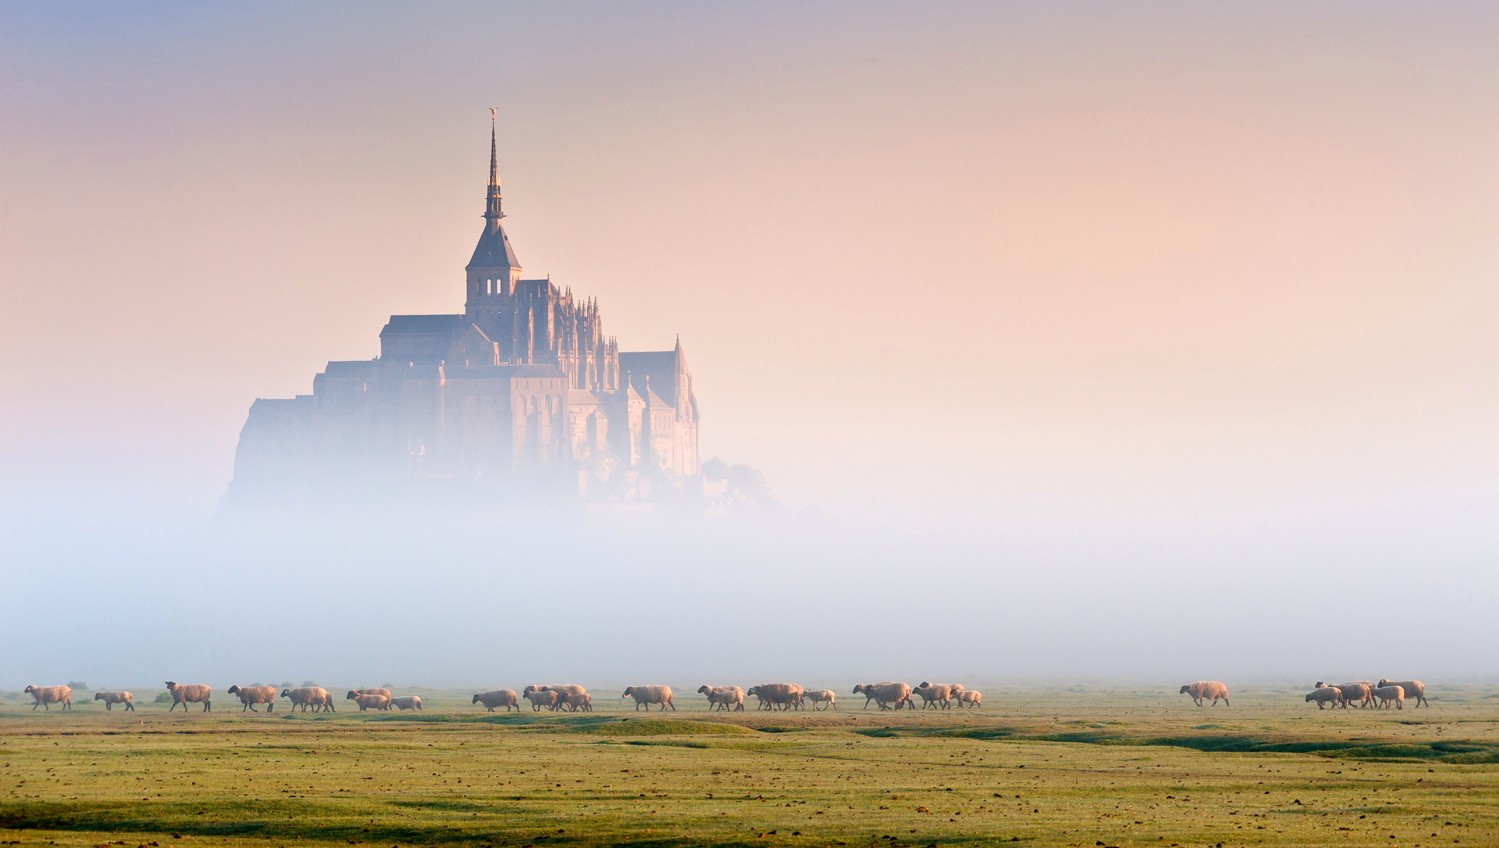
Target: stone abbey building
{"x": 521, "y": 390}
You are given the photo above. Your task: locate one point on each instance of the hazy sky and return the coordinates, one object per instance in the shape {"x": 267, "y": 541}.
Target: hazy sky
{"x": 1147, "y": 336}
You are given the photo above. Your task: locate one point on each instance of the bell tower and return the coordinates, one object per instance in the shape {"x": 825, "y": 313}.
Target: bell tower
{"x": 493, "y": 271}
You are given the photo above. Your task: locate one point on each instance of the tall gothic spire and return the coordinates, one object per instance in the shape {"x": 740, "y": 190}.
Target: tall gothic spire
{"x": 492, "y": 211}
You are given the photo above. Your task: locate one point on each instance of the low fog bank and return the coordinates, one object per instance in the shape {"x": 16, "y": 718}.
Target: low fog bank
{"x": 488, "y": 598}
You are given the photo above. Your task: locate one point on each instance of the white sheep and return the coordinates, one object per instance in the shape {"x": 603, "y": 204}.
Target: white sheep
{"x": 119, "y": 696}
{"x": 1393, "y": 693}
{"x": 407, "y": 702}
{"x": 723, "y": 697}
{"x": 190, "y": 693}
{"x": 497, "y": 698}
{"x": 777, "y": 695}
{"x": 1323, "y": 695}
{"x": 821, "y": 696}
{"x": 379, "y": 702}
{"x": 1204, "y": 689}
{"x": 645, "y": 696}
{"x": 934, "y": 694}
{"x": 575, "y": 701}
{"x": 540, "y": 697}
{"x": 372, "y": 690}
{"x": 1357, "y": 692}
{"x": 971, "y": 698}
{"x": 45, "y": 696}
{"x": 249, "y": 696}
{"x": 309, "y": 696}
{"x": 1413, "y": 689}
{"x": 885, "y": 694}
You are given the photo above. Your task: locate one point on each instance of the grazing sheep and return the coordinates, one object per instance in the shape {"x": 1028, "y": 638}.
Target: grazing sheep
{"x": 190, "y": 693}
{"x": 934, "y": 694}
{"x": 1324, "y": 695}
{"x": 498, "y": 698}
{"x": 407, "y": 702}
{"x": 1357, "y": 692}
{"x": 971, "y": 697}
{"x": 575, "y": 701}
{"x": 309, "y": 696}
{"x": 116, "y": 697}
{"x": 884, "y": 694}
{"x": 542, "y": 698}
{"x": 1413, "y": 689}
{"x": 48, "y": 695}
{"x": 821, "y": 696}
{"x": 723, "y": 697}
{"x": 777, "y": 695}
{"x": 1204, "y": 689}
{"x": 1391, "y": 693}
{"x": 252, "y": 695}
{"x": 645, "y": 696}
{"x": 379, "y": 702}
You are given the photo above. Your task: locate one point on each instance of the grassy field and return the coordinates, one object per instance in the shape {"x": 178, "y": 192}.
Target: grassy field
{"x": 1078, "y": 767}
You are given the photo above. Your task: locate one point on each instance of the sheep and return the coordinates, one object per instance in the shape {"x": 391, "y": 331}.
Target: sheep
{"x": 116, "y": 697}
{"x": 1413, "y": 689}
{"x": 374, "y": 690}
{"x": 777, "y": 695}
{"x": 1324, "y": 695}
{"x": 645, "y": 696}
{"x": 723, "y": 697}
{"x": 933, "y": 694}
{"x": 540, "y": 698}
{"x": 190, "y": 693}
{"x": 971, "y": 697}
{"x": 379, "y": 702}
{"x": 309, "y": 696}
{"x": 407, "y": 702}
{"x": 821, "y": 696}
{"x": 1357, "y": 692}
{"x": 569, "y": 695}
{"x": 1393, "y": 692}
{"x": 497, "y": 698}
{"x": 249, "y": 696}
{"x": 45, "y": 696}
{"x": 884, "y": 694}
{"x": 1204, "y": 689}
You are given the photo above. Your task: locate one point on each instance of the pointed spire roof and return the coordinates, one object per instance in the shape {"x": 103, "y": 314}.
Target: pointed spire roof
{"x": 493, "y": 250}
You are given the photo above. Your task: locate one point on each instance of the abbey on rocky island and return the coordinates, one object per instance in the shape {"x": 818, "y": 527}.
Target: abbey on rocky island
{"x": 520, "y": 391}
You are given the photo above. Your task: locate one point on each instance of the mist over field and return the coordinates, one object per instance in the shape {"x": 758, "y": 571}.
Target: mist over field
{"x": 489, "y": 599}
{"x": 1150, "y": 342}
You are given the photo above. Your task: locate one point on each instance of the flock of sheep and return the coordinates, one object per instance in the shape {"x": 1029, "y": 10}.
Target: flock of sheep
{"x": 315, "y": 698}
{"x": 553, "y": 696}
{"x": 1362, "y": 692}
{"x": 771, "y": 696}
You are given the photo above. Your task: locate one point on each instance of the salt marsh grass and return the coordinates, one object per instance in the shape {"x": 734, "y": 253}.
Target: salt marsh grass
{"x": 1075, "y": 766}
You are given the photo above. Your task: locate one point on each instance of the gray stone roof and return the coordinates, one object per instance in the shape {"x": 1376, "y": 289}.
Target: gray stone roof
{"x": 362, "y": 368}
{"x": 494, "y": 251}
{"x": 659, "y": 365}
{"x": 420, "y": 324}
